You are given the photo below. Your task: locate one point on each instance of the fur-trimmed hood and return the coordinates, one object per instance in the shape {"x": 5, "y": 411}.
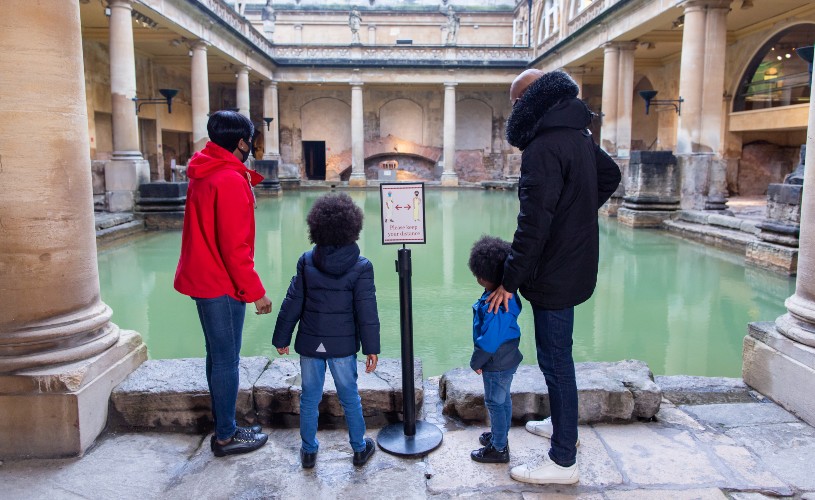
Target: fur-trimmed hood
{"x": 550, "y": 101}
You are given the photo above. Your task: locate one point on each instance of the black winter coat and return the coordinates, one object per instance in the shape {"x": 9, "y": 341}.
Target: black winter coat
{"x": 565, "y": 179}
{"x": 333, "y": 297}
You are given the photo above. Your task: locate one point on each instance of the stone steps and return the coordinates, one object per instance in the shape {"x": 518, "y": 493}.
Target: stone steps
{"x": 717, "y": 236}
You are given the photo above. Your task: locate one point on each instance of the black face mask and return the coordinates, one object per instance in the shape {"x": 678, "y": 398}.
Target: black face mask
{"x": 245, "y": 154}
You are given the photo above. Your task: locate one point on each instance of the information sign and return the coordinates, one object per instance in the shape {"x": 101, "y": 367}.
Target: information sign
{"x": 402, "y": 213}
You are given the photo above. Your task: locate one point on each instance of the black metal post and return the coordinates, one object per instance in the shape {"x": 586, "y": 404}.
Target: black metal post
{"x": 403, "y": 267}
{"x": 411, "y": 438}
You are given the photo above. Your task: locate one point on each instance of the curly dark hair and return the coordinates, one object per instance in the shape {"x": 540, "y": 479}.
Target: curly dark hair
{"x": 334, "y": 220}
{"x": 487, "y": 258}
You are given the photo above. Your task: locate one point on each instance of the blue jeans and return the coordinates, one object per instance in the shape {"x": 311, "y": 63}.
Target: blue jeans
{"x": 222, "y": 322}
{"x": 344, "y": 371}
{"x": 553, "y": 337}
{"x": 499, "y": 403}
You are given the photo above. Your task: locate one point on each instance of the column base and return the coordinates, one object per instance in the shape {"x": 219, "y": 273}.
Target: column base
{"x": 780, "y": 369}
{"x": 449, "y": 179}
{"x": 773, "y": 257}
{"x": 611, "y": 207}
{"x": 642, "y": 218}
{"x": 795, "y": 329}
{"x": 357, "y": 180}
{"x": 60, "y": 411}
{"x": 122, "y": 180}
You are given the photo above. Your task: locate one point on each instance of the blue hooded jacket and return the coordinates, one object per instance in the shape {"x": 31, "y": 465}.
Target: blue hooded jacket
{"x": 496, "y": 336}
{"x": 333, "y": 298}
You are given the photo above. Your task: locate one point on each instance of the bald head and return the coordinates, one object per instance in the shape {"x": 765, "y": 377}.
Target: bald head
{"x": 521, "y": 82}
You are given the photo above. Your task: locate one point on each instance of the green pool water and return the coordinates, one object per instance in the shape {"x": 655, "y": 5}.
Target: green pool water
{"x": 680, "y": 306}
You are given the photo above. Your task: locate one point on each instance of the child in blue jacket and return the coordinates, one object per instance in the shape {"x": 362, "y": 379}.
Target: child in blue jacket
{"x": 496, "y": 355}
{"x": 333, "y": 299}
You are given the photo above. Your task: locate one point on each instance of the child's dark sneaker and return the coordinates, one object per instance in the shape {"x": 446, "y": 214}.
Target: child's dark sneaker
{"x": 485, "y": 438}
{"x": 307, "y": 460}
{"x": 361, "y": 457}
{"x": 489, "y": 455}
{"x": 254, "y": 428}
{"x": 243, "y": 441}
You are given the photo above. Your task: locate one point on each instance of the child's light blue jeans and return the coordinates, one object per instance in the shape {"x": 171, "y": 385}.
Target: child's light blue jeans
{"x": 344, "y": 371}
{"x": 499, "y": 404}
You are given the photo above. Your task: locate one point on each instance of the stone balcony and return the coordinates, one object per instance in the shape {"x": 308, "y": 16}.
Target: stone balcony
{"x": 401, "y": 56}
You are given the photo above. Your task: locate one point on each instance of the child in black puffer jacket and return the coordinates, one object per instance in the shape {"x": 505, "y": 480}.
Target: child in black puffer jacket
{"x": 333, "y": 298}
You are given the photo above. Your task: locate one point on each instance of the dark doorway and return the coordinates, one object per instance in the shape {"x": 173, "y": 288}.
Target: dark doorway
{"x": 314, "y": 158}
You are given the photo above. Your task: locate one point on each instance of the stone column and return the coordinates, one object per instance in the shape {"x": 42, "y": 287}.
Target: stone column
{"x": 779, "y": 359}
{"x": 625, "y": 98}
{"x": 577, "y": 73}
{"x": 242, "y": 97}
{"x": 449, "y": 176}
{"x": 128, "y": 168}
{"x": 271, "y": 137}
{"x": 60, "y": 356}
{"x": 357, "y": 137}
{"x": 611, "y": 66}
{"x": 701, "y": 86}
{"x": 200, "y": 95}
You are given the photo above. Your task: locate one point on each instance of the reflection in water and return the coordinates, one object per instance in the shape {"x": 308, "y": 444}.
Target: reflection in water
{"x": 680, "y": 306}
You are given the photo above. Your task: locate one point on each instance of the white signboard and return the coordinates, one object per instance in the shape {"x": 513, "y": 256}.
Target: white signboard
{"x": 402, "y": 213}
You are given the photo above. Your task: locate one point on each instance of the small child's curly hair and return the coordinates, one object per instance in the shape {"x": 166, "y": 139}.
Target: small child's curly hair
{"x": 487, "y": 258}
{"x": 334, "y": 220}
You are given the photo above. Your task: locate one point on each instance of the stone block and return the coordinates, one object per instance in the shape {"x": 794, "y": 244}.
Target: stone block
{"x": 694, "y": 216}
{"x": 163, "y": 190}
{"x": 773, "y": 257}
{"x": 120, "y": 201}
{"x": 642, "y": 218}
{"x": 611, "y": 207}
{"x": 126, "y": 175}
{"x": 163, "y": 221}
{"x": 749, "y": 226}
{"x": 622, "y": 391}
{"x": 278, "y": 390}
{"x": 726, "y": 415}
{"x": 172, "y": 395}
{"x": 781, "y": 372}
{"x": 59, "y": 411}
{"x": 692, "y": 390}
{"x": 652, "y": 179}
{"x": 724, "y": 221}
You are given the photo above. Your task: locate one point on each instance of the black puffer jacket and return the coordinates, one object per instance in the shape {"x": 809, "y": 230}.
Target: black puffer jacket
{"x": 565, "y": 178}
{"x": 334, "y": 298}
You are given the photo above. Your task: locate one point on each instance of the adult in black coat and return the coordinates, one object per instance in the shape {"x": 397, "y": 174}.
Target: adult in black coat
{"x": 565, "y": 179}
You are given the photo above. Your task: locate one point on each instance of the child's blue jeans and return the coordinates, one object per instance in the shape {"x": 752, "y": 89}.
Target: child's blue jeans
{"x": 499, "y": 404}
{"x": 344, "y": 371}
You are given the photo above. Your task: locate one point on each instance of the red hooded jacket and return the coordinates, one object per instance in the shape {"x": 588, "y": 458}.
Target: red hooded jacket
{"x": 218, "y": 239}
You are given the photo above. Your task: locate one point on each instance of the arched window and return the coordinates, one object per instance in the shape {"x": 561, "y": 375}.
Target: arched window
{"x": 550, "y": 20}
{"x": 777, "y": 76}
{"x": 579, "y": 5}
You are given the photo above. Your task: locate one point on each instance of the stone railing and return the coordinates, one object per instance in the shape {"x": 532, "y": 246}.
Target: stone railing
{"x": 588, "y": 14}
{"x": 390, "y": 55}
{"x": 222, "y": 10}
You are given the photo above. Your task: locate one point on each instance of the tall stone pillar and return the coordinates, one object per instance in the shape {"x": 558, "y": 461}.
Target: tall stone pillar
{"x": 200, "y": 95}
{"x": 625, "y": 98}
{"x": 128, "y": 168}
{"x": 271, "y": 137}
{"x": 60, "y": 355}
{"x": 357, "y": 137}
{"x": 701, "y": 85}
{"x": 449, "y": 176}
{"x": 242, "y": 91}
{"x": 779, "y": 359}
{"x": 611, "y": 67}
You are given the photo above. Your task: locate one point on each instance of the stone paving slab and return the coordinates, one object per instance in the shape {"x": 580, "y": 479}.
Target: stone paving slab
{"x": 739, "y": 414}
{"x": 690, "y": 390}
{"x": 172, "y": 395}
{"x": 608, "y": 392}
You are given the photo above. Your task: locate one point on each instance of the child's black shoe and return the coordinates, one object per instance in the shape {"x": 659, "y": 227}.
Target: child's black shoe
{"x": 307, "y": 460}
{"x": 485, "y": 438}
{"x": 489, "y": 455}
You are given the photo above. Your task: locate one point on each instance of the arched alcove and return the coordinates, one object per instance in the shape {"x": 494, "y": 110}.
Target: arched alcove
{"x": 644, "y": 128}
{"x": 776, "y": 76}
{"x": 473, "y": 125}
{"x": 401, "y": 118}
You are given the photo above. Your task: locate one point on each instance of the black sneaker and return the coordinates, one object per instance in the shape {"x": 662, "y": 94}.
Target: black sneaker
{"x": 307, "y": 460}
{"x": 361, "y": 457}
{"x": 243, "y": 441}
{"x": 485, "y": 438}
{"x": 489, "y": 455}
{"x": 254, "y": 428}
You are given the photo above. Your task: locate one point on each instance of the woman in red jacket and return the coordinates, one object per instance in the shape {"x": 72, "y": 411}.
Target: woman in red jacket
{"x": 217, "y": 267}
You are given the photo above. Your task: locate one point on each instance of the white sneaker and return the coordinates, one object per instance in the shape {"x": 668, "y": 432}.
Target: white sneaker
{"x": 543, "y": 428}
{"x": 547, "y": 472}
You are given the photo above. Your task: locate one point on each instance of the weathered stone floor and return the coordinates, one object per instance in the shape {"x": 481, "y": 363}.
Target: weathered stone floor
{"x": 745, "y": 450}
